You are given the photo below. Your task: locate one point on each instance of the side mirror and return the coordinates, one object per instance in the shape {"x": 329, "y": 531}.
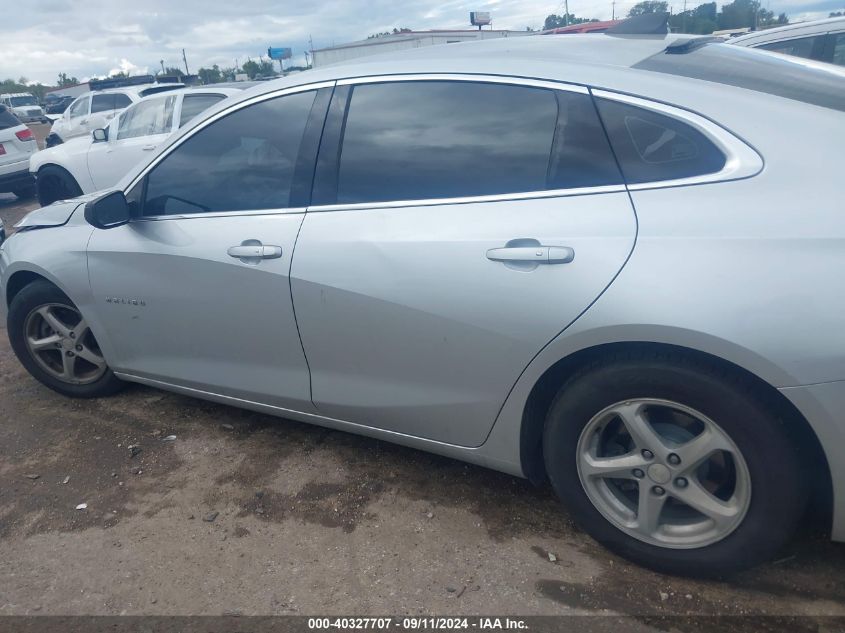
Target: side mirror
{"x": 100, "y": 135}
{"x": 108, "y": 211}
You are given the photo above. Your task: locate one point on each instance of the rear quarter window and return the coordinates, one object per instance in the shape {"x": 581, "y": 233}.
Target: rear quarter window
{"x": 653, "y": 147}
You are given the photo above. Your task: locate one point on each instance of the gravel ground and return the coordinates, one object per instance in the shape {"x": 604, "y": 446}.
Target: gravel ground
{"x": 246, "y": 514}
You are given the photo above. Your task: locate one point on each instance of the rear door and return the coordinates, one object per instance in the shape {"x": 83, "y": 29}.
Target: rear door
{"x": 457, "y": 226}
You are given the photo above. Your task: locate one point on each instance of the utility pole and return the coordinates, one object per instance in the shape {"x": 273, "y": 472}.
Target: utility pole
{"x": 566, "y": 15}
{"x": 684, "y": 19}
{"x": 613, "y": 10}
{"x": 185, "y": 59}
{"x": 161, "y": 61}
{"x": 311, "y": 48}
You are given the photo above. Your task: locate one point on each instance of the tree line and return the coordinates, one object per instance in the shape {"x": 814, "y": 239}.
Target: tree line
{"x": 703, "y": 19}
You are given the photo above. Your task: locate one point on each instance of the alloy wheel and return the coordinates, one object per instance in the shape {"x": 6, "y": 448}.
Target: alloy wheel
{"x": 61, "y": 342}
{"x": 663, "y": 473}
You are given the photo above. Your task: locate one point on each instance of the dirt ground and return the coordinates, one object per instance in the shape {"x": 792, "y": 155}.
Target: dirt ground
{"x": 246, "y": 514}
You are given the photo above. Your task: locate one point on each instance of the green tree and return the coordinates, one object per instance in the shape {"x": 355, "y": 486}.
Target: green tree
{"x": 211, "y": 75}
{"x": 649, "y": 6}
{"x": 261, "y": 68}
{"x": 64, "y": 81}
{"x": 557, "y": 21}
{"x": 702, "y": 20}
{"x": 836, "y": 14}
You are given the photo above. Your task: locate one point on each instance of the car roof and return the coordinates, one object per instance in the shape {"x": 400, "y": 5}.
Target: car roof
{"x": 578, "y": 58}
{"x": 16, "y": 94}
{"x": 782, "y": 32}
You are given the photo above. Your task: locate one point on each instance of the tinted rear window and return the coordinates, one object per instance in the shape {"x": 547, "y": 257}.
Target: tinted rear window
{"x": 442, "y": 139}
{"x": 737, "y": 66}
{"x": 7, "y": 119}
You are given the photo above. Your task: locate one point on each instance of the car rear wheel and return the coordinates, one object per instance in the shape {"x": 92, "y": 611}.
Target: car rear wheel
{"x": 55, "y": 183}
{"x": 673, "y": 463}
{"x": 54, "y": 342}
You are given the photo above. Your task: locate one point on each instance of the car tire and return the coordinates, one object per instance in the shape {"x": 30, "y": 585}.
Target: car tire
{"x": 55, "y": 183}
{"x": 746, "y": 518}
{"x": 24, "y": 192}
{"x": 25, "y": 324}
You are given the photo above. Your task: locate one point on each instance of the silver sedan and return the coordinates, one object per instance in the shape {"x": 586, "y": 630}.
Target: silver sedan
{"x": 610, "y": 263}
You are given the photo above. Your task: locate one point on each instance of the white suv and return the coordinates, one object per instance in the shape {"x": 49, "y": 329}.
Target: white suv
{"x": 24, "y": 106}
{"x": 17, "y": 144}
{"x": 101, "y": 159}
{"x": 94, "y": 110}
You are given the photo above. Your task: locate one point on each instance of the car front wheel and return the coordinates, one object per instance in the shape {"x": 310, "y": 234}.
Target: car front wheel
{"x": 55, "y": 344}
{"x": 674, "y": 464}
{"x": 54, "y": 183}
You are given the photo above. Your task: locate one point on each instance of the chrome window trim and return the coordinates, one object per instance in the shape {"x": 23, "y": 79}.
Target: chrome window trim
{"x": 466, "y": 77}
{"x": 741, "y": 161}
{"x": 432, "y": 202}
{"x": 218, "y": 214}
{"x": 281, "y": 92}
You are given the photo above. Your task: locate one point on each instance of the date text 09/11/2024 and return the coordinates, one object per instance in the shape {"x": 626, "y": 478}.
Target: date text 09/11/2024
{"x": 418, "y": 623}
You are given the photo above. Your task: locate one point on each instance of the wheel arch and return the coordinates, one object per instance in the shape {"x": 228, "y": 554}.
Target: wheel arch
{"x": 77, "y": 178}
{"x": 546, "y": 387}
{"x": 22, "y": 278}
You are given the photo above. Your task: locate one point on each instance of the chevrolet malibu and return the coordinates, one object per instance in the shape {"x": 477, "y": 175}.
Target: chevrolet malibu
{"x": 613, "y": 263}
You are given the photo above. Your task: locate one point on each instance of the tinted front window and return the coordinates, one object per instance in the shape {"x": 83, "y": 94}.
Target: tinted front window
{"x": 440, "y": 139}
{"x": 79, "y": 108}
{"x": 23, "y": 101}
{"x": 102, "y": 103}
{"x": 192, "y": 105}
{"x": 244, "y": 161}
{"x": 735, "y": 65}
{"x": 799, "y": 47}
{"x": 653, "y": 147}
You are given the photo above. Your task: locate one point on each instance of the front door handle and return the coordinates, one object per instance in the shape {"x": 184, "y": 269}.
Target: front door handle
{"x": 148, "y": 148}
{"x": 251, "y": 253}
{"x": 532, "y": 254}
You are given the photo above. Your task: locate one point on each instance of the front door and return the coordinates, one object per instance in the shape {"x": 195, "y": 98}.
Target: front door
{"x": 462, "y": 227}
{"x": 133, "y": 137}
{"x": 195, "y": 292}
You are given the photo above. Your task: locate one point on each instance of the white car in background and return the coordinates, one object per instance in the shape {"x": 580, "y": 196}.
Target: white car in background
{"x": 95, "y": 109}
{"x": 17, "y": 144}
{"x": 24, "y": 106}
{"x": 820, "y": 40}
{"x": 101, "y": 159}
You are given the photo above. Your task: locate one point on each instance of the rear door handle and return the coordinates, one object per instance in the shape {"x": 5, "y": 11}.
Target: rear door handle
{"x": 535, "y": 254}
{"x": 253, "y": 252}
{"x": 147, "y": 148}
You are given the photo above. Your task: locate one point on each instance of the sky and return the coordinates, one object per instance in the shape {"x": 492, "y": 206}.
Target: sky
{"x": 94, "y": 38}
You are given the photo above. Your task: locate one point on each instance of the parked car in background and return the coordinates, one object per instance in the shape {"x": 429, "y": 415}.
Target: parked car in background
{"x": 582, "y": 259}
{"x": 57, "y": 104}
{"x": 24, "y": 106}
{"x": 821, "y": 40}
{"x": 101, "y": 159}
{"x": 17, "y": 144}
{"x": 95, "y": 109}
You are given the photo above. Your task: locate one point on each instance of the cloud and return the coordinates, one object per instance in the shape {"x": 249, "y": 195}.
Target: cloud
{"x": 95, "y": 37}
